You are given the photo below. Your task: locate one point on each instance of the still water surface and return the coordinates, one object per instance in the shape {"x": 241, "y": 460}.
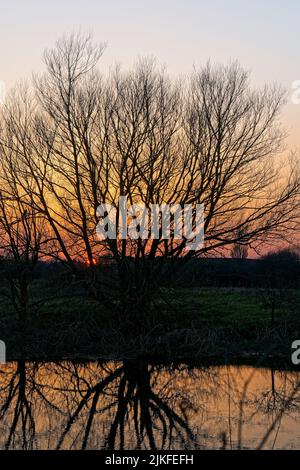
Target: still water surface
{"x": 136, "y": 405}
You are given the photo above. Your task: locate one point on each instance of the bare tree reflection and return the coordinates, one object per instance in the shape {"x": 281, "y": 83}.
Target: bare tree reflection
{"x": 147, "y": 416}
{"x": 137, "y": 405}
{"x": 18, "y": 402}
{"x": 277, "y": 397}
{"x": 274, "y": 400}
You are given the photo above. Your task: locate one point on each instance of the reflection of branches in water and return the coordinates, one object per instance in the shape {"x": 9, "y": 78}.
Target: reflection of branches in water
{"x": 274, "y": 402}
{"x": 278, "y": 402}
{"x": 140, "y": 405}
{"x": 150, "y": 412}
{"x": 279, "y": 416}
{"x": 137, "y": 405}
{"x": 245, "y": 398}
{"x": 18, "y": 393}
{"x": 93, "y": 392}
{"x": 134, "y": 403}
{"x": 31, "y": 390}
{"x": 274, "y": 399}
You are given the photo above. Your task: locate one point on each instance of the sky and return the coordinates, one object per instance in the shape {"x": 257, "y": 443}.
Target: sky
{"x": 263, "y": 35}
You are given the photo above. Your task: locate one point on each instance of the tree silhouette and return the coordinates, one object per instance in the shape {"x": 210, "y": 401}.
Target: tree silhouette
{"x": 80, "y": 139}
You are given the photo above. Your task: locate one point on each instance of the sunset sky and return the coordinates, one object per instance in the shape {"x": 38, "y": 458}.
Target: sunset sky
{"x": 263, "y": 36}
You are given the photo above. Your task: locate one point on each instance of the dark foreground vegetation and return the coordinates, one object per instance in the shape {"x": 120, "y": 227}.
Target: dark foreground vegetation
{"x": 249, "y": 308}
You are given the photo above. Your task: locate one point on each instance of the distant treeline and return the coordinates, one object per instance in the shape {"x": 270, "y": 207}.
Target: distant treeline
{"x": 279, "y": 269}
{"x": 276, "y": 270}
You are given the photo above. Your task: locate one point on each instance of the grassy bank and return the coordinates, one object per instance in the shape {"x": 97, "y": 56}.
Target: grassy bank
{"x": 183, "y": 323}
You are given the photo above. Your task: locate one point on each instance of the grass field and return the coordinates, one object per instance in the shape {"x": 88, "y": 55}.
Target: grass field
{"x": 183, "y": 323}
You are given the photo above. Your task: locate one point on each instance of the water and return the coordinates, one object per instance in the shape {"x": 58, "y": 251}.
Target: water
{"x": 134, "y": 405}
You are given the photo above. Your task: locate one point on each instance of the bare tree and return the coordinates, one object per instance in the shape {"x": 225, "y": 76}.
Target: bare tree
{"x": 213, "y": 140}
{"x": 23, "y": 235}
